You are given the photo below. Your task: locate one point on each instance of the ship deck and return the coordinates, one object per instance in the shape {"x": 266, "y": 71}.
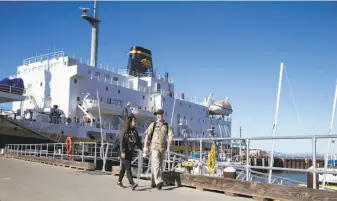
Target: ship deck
{"x": 22, "y": 180}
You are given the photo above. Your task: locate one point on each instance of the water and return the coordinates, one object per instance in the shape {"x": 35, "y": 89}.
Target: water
{"x": 298, "y": 176}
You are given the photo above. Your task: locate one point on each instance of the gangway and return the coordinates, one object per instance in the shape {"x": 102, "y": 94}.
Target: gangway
{"x": 84, "y": 109}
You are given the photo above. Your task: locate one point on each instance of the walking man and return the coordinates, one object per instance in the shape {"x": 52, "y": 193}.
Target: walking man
{"x": 155, "y": 139}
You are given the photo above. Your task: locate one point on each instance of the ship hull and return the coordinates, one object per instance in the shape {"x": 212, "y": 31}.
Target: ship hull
{"x": 12, "y": 139}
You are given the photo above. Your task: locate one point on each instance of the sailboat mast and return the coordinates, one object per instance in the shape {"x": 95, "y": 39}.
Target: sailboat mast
{"x": 330, "y": 133}
{"x": 275, "y": 123}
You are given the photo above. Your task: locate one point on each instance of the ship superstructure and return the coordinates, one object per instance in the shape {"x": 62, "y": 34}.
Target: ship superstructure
{"x": 66, "y": 97}
{"x": 56, "y": 82}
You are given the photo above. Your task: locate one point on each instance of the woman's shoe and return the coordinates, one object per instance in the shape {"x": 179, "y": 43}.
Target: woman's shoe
{"x": 134, "y": 186}
{"x": 120, "y": 185}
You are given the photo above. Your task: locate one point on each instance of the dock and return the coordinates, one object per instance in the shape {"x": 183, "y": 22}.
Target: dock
{"x": 54, "y": 170}
{"x": 30, "y": 181}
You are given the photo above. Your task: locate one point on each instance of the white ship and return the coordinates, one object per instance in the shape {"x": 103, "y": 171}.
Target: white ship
{"x": 66, "y": 97}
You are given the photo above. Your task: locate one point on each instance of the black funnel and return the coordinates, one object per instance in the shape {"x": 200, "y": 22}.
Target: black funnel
{"x": 140, "y": 62}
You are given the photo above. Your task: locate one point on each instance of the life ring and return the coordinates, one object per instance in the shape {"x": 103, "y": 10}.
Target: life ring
{"x": 69, "y": 147}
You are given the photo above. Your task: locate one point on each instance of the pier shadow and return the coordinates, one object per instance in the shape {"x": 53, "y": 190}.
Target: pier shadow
{"x": 150, "y": 189}
{"x": 96, "y": 172}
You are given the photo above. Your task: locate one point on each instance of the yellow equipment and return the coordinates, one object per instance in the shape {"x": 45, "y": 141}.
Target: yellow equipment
{"x": 211, "y": 160}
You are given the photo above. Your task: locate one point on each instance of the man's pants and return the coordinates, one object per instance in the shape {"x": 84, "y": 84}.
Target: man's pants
{"x": 157, "y": 158}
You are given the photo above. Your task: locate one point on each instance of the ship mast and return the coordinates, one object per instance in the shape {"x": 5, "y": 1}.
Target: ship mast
{"x": 94, "y": 21}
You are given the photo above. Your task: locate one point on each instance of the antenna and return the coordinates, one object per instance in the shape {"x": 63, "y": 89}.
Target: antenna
{"x": 94, "y": 21}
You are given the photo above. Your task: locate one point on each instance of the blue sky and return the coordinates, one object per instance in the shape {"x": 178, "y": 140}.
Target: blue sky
{"x": 233, "y": 49}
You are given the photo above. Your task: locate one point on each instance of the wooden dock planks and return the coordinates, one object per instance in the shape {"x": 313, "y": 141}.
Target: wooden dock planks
{"x": 258, "y": 191}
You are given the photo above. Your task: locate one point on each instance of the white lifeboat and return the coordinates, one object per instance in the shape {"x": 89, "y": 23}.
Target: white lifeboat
{"x": 223, "y": 108}
{"x": 115, "y": 108}
{"x": 143, "y": 114}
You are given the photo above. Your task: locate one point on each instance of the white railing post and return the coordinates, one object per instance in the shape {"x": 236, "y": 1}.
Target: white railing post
{"x": 140, "y": 164}
{"x": 247, "y": 161}
{"x": 314, "y": 140}
{"x": 82, "y": 151}
{"x": 62, "y": 152}
{"x": 54, "y": 151}
{"x": 200, "y": 159}
{"x": 95, "y": 153}
{"x": 47, "y": 151}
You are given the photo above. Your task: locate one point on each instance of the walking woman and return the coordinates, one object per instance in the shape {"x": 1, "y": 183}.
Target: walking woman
{"x": 126, "y": 143}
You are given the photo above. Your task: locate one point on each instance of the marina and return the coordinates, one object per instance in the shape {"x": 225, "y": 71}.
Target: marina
{"x": 67, "y": 113}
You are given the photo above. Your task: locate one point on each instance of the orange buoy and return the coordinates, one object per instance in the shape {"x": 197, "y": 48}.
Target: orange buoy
{"x": 69, "y": 147}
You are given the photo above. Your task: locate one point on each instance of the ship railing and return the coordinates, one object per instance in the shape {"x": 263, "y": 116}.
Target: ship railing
{"x": 105, "y": 126}
{"x": 133, "y": 73}
{"x": 6, "y": 112}
{"x": 12, "y": 90}
{"x": 138, "y": 74}
{"x": 43, "y": 57}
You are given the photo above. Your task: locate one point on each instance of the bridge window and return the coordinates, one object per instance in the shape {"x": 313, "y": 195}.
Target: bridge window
{"x": 119, "y": 91}
{"x": 78, "y": 98}
{"x": 106, "y": 88}
{"x": 143, "y": 97}
{"x": 75, "y": 81}
{"x": 40, "y": 83}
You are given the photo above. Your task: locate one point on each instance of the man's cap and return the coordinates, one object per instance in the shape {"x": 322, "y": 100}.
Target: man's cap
{"x": 159, "y": 111}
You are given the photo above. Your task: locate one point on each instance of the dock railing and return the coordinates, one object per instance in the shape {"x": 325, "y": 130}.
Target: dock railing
{"x": 81, "y": 151}
{"x": 248, "y": 167}
{"x": 84, "y": 151}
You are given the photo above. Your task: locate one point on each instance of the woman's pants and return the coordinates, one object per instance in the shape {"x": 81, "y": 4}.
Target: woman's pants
{"x": 126, "y": 166}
